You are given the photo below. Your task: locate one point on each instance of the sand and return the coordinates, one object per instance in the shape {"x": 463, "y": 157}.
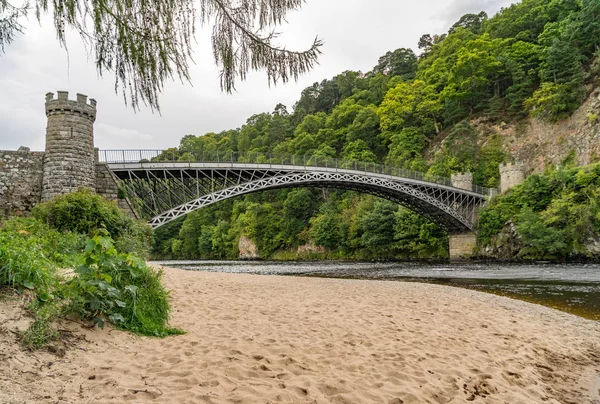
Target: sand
{"x": 269, "y": 339}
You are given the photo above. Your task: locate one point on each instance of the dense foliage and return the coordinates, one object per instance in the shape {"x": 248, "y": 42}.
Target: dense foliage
{"x": 107, "y": 283}
{"x": 30, "y": 252}
{"x": 84, "y": 211}
{"x": 532, "y": 58}
{"x": 555, "y": 215}
{"x": 119, "y": 287}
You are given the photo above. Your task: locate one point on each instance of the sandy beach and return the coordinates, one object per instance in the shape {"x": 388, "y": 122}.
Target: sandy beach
{"x": 268, "y": 339}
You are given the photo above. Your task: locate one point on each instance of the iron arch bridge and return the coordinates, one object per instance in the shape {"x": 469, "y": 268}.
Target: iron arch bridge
{"x": 165, "y": 185}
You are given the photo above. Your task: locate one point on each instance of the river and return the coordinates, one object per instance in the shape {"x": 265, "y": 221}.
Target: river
{"x": 574, "y": 288}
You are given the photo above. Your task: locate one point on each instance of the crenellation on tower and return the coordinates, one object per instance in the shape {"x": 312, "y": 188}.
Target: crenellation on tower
{"x": 69, "y": 159}
{"x": 511, "y": 174}
{"x": 62, "y": 104}
{"x": 462, "y": 181}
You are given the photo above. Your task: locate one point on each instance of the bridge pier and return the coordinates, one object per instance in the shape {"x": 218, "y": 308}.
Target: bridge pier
{"x": 462, "y": 245}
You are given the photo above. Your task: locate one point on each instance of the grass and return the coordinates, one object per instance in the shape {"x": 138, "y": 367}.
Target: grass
{"x": 40, "y": 334}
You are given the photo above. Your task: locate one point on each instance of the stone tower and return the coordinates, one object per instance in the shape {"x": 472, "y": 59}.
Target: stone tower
{"x": 69, "y": 158}
{"x": 511, "y": 175}
{"x": 462, "y": 181}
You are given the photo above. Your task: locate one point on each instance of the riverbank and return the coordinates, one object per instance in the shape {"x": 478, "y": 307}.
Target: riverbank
{"x": 291, "y": 339}
{"x": 573, "y": 288}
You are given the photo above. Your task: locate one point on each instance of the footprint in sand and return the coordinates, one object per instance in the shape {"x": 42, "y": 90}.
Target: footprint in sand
{"x": 300, "y": 390}
{"x": 211, "y": 383}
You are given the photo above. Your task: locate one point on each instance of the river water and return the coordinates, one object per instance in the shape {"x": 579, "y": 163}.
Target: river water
{"x": 574, "y": 288}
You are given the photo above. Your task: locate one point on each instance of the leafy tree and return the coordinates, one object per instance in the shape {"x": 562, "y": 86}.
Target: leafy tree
{"x": 539, "y": 240}
{"x": 471, "y": 78}
{"x": 349, "y": 82}
{"x": 425, "y": 44}
{"x": 562, "y": 74}
{"x": 553, "y": 101}
{"x": 417, "y": 237}
{"x": 406, "y": 149}
{"x": 527, "y": 19}
{"x": 522, "y": 61}
{"x": 326, "y": 229}
{"x": 458, "y": 152}
{"x": 411, "y": 104}
{"x": 376, "y": 228}
{"x": 144, "y": 44}
{"x": 401, "y": 62}
{"x": 359, "y": 151}
{"x": 366, "y": 127}
{"x": 486, "y": 171}
{"x": 298, "y": 207}
{"x": 329, "y": 96}
{"x": 307, "y": 104}
{"x": 472, "y": 22}
{"x": 585, "y": 28}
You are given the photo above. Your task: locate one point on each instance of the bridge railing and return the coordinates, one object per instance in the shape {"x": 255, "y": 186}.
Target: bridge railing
{"x": 173, "y": 155}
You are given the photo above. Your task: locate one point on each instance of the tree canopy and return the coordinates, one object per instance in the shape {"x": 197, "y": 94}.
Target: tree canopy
{"x": 533, "y": 58}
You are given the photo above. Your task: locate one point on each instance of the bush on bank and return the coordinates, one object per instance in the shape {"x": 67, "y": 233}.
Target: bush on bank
{"x": 555, "y": 215}
{"x": 119, "y": 287}
{"x": 109, "y": 282}
{"x": 30, "y": 252}
{"x": 83, "y": 211}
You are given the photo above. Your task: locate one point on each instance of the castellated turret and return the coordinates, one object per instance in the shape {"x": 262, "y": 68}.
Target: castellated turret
{"x": 511, "y": 174}
{"x": 69, "y": 159}
{"x": 462, "y": 181}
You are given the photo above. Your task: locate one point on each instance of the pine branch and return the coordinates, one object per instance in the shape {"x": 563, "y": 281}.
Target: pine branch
{"x": 9, "y": 22}
{"x": 145, "y": 42}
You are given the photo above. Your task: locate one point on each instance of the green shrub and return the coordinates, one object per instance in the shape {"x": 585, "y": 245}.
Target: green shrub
{"x": 538, "y": 239}
{"x": 119, "y": 288}
{"x": 555, "y": 214}
{"x": 24, "y": 265}
{"x": 554, "y": 101}
{"x": 136, "y": 239}
{"x": 83, "y": 211}
{"x": 61, "y": 248}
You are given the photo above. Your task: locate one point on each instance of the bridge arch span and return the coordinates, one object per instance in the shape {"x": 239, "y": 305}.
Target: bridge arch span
{"x": 162, "y": 192}
{"x": 409, "y": 197}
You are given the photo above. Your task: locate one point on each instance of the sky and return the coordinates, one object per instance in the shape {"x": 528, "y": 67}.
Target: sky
{"x": 356, "y": 33}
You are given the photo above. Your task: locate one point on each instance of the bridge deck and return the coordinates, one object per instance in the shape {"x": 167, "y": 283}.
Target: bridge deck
{"x": 164, "y": 190}
{"x": 122, "y": 170}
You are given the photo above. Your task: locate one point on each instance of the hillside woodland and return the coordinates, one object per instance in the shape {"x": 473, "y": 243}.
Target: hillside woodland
{"x": 518, "y": 85}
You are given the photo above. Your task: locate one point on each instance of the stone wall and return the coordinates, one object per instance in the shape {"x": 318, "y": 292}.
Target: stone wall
{"x": 462, "y": 245}
{"x": 21, "y": 179}
{"x": 106, "y": 186}
{"x": 21, "y": 175}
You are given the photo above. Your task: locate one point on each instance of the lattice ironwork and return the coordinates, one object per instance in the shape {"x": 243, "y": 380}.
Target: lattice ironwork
{"x": 164, "y": 191}
{"x": 203, "y": 156}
